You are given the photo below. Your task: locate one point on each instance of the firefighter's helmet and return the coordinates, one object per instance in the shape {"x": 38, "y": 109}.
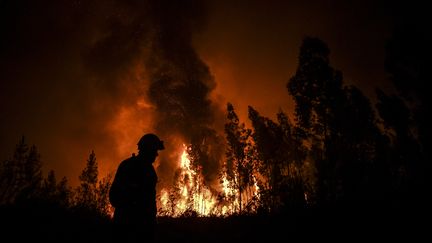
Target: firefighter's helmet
{"x": 150, "y": 141}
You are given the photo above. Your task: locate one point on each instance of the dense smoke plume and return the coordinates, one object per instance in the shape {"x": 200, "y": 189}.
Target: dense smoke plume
{"x": 178, "y": 82}
{"x": 110, "y": 71}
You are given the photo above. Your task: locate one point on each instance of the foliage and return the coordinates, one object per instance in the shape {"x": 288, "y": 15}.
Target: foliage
{"x": 92, "y": 194}
{"x": 21, "y": 176}
{"x": 280, "y": 156}
{"x": 404, "y": 114}
{"x": 340, "y": 127}
{"x": 57, "y": 193}
{"x": 238, "y": 169}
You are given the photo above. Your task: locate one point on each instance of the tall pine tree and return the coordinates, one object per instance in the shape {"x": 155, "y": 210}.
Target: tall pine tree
{"x": 86, "y": 192}
{"x": 21, "y": 176}
{"x": 338, "y": 125}
{"x": 238, "y": 167}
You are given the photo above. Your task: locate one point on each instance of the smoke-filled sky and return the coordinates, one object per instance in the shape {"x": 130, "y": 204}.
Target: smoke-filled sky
{"x": 77, "y": 76}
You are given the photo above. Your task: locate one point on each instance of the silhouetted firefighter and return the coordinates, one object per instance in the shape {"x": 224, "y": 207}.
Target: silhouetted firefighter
{"x": 133, "y": 193}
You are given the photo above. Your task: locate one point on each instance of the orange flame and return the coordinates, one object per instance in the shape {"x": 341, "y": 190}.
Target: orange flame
{"x": 190, "y": 196}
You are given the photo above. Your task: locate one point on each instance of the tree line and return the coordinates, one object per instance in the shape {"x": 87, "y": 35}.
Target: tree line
{"x": 338, "y": 149}
{"x": 22, "y": 184}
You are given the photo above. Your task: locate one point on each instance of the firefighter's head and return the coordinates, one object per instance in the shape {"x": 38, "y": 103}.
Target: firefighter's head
{"x": 149, "y": 145}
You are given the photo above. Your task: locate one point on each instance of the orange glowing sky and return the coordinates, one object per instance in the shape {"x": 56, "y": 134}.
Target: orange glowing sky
{"x": 68, "y": 95}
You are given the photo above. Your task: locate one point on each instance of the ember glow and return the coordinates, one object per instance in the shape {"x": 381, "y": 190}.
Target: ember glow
{"x": 190, "y": 196}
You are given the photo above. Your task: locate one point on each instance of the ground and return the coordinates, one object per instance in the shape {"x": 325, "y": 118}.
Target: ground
{"x": 323, "y": 225}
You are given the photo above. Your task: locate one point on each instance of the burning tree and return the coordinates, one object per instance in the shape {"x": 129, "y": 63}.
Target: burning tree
{"x": 189, "y": 196}
{"x": 280, "y": 157}
{"x": 238, "y": 177}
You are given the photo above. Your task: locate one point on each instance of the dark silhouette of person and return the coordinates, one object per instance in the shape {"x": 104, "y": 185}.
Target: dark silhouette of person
{"x": 133, "y": 193}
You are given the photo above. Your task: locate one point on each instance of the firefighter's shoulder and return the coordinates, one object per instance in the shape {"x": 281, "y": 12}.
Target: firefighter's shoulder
{"x": 128, "y": 162}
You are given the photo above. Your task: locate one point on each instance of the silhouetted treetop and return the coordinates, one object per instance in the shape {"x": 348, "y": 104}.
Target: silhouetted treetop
{"x": 316, "y": 87}
{"x": 21, "y": 176}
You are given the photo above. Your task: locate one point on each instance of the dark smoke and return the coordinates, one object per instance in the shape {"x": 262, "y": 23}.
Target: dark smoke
{"x": 159, "y": 35}
{"x": 69, "y": 68}
{"x": 180, "y": 84}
